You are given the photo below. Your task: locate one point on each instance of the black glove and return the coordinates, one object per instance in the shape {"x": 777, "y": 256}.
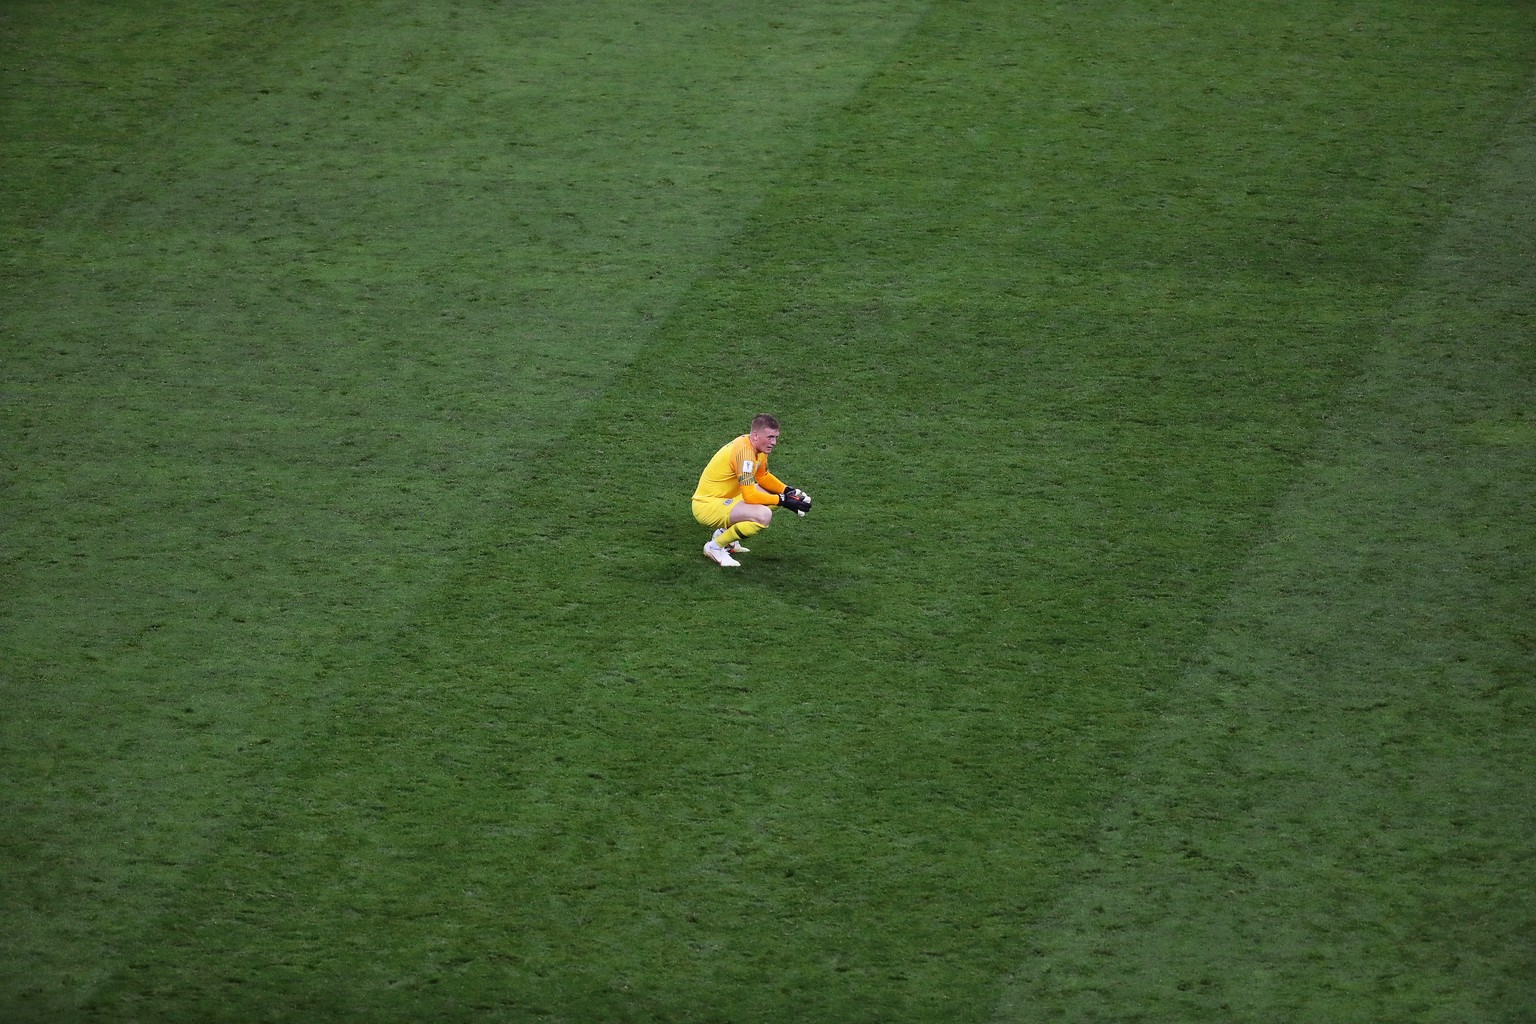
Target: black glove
{"x": 797, "y": 501}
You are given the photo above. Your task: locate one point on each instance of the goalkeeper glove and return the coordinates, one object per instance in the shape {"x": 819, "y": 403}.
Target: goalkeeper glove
{"x": 796, "y": 500}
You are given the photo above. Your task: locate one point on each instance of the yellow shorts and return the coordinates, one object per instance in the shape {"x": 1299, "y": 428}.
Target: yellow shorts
{"x": 714, "y": 513}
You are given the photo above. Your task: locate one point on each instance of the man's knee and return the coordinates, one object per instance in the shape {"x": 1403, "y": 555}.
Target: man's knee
{"x": 761, "y": 515}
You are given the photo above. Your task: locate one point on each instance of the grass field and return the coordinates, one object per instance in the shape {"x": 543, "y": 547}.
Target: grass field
{"x": 1160, "y": 648}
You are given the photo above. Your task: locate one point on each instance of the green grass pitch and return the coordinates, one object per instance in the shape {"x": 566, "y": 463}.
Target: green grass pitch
{"x": 1160, "y": 648}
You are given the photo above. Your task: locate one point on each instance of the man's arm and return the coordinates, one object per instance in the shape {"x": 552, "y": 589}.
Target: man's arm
{"x": 753, "y": 494}
{"x": 768, "y": 482}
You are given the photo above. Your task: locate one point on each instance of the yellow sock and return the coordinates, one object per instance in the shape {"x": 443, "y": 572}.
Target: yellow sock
{"x": 740, "y": 531}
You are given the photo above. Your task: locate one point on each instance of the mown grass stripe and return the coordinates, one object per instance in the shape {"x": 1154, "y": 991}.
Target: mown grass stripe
{"x": 1333, "y": 817}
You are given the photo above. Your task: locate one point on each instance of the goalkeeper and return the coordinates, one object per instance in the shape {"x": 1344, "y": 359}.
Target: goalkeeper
{"x": 736, "y": 493}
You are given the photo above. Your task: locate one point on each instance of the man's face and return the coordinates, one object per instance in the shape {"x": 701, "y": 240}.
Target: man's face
{"x": 764, "y": 438}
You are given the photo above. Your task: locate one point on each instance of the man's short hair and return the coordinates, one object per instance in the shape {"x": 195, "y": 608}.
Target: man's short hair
{"x": 762, "y": 420}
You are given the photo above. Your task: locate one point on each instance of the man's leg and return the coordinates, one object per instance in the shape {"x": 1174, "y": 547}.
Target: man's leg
{"x": 737, "y": 548}
{"x": 716, "y": 514}
{"x": 746, "y": 520}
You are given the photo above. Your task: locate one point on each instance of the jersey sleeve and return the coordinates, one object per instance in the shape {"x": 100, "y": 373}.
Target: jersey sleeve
{"x": 755, "y": 495}
{"x": 768, "y": 482}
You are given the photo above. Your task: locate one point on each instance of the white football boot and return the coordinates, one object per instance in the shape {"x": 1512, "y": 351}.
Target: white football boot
{"x": 718, "y": 554}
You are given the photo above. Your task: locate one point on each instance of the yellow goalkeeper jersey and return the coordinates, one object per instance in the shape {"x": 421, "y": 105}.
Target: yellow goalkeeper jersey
{"x": 739, "y": 471}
